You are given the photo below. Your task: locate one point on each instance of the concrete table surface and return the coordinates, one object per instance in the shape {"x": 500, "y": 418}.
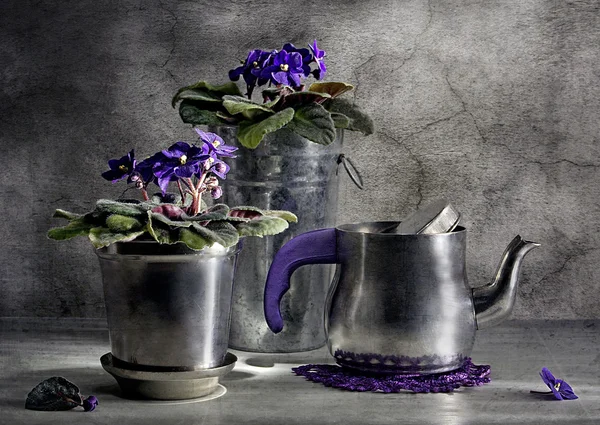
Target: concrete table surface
{"x": 263, "y": 390}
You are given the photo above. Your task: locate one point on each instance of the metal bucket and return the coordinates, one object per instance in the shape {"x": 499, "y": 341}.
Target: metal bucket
{"x": 168, "y": 306}
{"x": 285, "y": 172}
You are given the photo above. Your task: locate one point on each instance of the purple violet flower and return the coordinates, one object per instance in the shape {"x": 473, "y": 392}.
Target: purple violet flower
{"x": 216, "y": 192}
{"x": 90, "y": 403}
{"x": 307, "y": 57}
{"x": 120, "y": 168}
{"x": 143, "y": 174}
{"x": 216, "y": 144}
{"x": 251, "y": 69}
{"x": 179, "y": 161}
{"x": 286, "y": 69}
{"x": 216, "y": 166}
{"x": 319, "y": 55}
{"x": 220, "y": 168}
{"x": 558, "y": 387}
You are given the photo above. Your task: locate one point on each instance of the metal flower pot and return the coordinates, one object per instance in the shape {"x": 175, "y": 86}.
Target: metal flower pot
{"x": 168, "y": 307}
{"x": 285, "y": 172}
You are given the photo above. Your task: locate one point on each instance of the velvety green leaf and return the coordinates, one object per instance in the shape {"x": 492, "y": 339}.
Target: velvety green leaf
{"x": 129, "y": 201}
{"x": 332, "y": 88}
{"x": 216, "y": 212}
{"x": 228, "y": 88}
{"x": 198, "y": 237}
{"x": 54, "y": 394}
{"x": 96, "y": 218}
{"x": 65, "y": 214}
{"x": 271, "y": 93}
{"x": 272, "y": 102}
{"x": 246, "y": 107}
{"x": 303, "y": 98}
{"x": 286, "y": 215}
{"x": 194, "y": 240}
{"x": 313, "y": 122}
{"x": 162, "y": 235}
{"x": 340, "y": 120}
{"x": 160, "y": 232}
{"x": 219, "y": 208}
{"x": 198, "y": 95}
{"x": 193, "y": 114}
{"x": 202, "y": 88}
{"x": 262, "y": 226}
{"x": 246, "y": 212}
{"x": 116, "y": 207}
{"x": 122, "y": 223}
{"x": 76, "y": 227}
{"x": 207, "y": 216}
{"x": 226, "y": 118}
{"x": 226, "y": 231}
{"x": 359, "y": 121}
{"x": 246, "y": 208}
{"x": 147, "y": 205}
{"x": 166, "y": 220}
{"x": 236, "y": 219}
{"x": 101, "y": 236}
{"x": 250, "y": 134}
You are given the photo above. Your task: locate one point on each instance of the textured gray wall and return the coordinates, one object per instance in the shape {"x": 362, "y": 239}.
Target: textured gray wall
{"x": 491, "y": 104}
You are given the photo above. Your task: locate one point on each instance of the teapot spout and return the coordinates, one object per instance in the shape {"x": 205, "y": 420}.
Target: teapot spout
{"x": 494, "y": 302}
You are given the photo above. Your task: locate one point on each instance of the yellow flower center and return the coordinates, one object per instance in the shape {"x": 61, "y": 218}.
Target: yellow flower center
{"x": 255, "y": 64}
{"x": 123, "y": 168}
{"x": 182, "y": 159}
{"x": 284, "y": 67}
{"x": 557, "y": 386}
{"x": 216, "y": 143}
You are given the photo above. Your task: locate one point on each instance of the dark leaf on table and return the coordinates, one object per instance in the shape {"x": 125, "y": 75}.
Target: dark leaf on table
{"x": 56, "y": 393}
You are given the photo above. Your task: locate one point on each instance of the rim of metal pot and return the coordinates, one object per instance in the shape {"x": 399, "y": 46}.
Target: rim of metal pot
{"x": 156, "y": 252}
{"x": 378, "y": 228}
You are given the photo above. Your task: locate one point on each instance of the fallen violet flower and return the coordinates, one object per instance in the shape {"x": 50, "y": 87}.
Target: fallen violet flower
{"x": 90, "y": 403}
{"x": 558, "y": 387}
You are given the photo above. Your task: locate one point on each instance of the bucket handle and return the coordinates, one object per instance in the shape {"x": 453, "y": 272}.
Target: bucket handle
{"x": 350, "y": 169}
{"x": 315, "y": 247}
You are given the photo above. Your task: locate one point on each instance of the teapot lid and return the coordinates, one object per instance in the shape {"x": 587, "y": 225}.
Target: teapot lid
{"x": 437, "y": 217}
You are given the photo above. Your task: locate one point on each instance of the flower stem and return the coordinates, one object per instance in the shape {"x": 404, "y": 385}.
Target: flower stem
{"x": 145, "y": 195}
{"x": 195, "y": 207}
{"x": 201, "y": 181}
{"x": 540, "y": 392}
{"x": 181, "y": 192}
{"x": 197, "y": 191}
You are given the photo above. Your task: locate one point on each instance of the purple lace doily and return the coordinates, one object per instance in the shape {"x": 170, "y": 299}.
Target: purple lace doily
{"x": 468, "y": 375}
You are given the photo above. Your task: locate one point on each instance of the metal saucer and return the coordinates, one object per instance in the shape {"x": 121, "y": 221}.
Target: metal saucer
{"x": 169, "y": 385}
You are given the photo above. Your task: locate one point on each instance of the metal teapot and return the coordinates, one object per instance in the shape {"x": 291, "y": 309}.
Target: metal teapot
{"x": 399, "y": 303}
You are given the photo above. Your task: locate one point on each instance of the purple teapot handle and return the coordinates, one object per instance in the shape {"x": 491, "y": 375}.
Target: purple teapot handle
{"x": 315, "y": 247}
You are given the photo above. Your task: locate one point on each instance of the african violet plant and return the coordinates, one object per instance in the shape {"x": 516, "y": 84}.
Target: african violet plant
{"x": 313, "y": 112}
{"x": 173, "y": 217}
